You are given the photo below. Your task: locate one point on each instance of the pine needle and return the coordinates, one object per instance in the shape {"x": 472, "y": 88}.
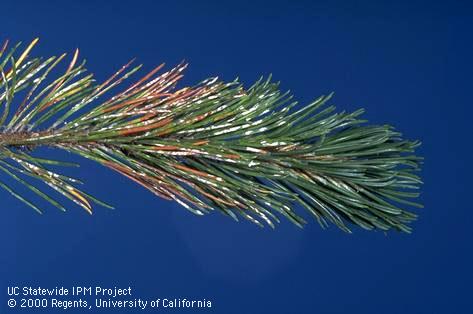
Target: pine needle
{"x": 212, "y": 146}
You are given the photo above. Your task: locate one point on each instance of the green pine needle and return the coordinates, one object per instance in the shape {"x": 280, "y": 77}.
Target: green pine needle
{"x": 213, "y": 146}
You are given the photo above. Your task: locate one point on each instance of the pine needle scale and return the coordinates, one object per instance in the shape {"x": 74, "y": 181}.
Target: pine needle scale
{"x": 216, "y": 146}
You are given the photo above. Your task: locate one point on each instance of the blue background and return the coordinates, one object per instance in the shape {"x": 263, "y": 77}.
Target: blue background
{"x": 409, "y": 64}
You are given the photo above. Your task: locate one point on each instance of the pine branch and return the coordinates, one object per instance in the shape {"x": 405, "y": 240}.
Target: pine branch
{"x": 213, "y": 146}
